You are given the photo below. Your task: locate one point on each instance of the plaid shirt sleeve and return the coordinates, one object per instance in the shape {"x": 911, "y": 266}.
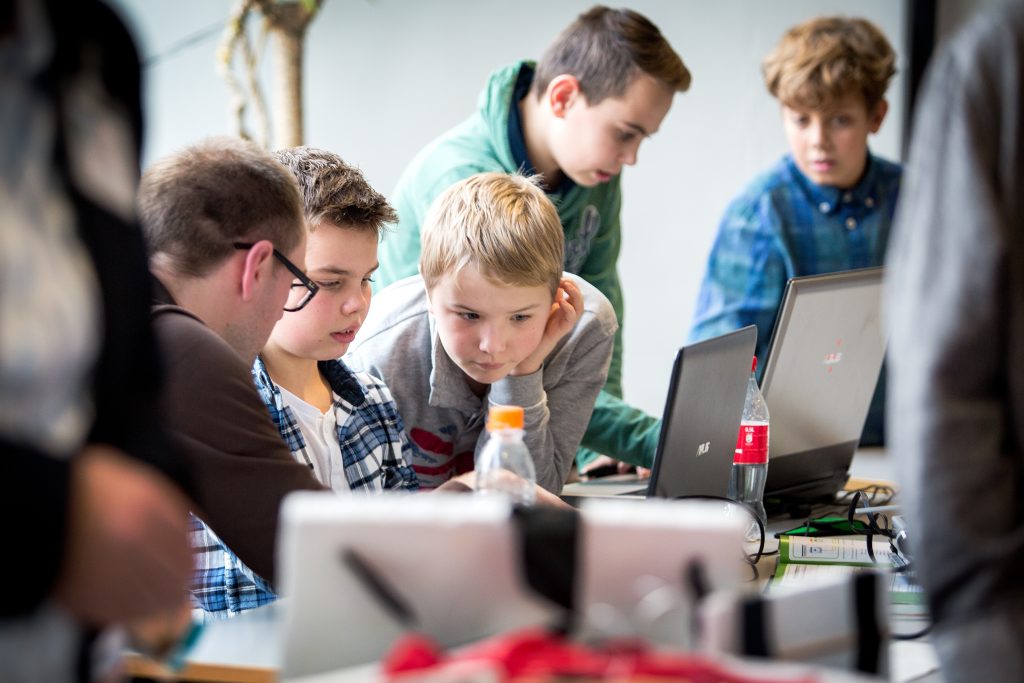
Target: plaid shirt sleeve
{"x": 222, "y": 586}
{"x": 375, "y": 448}
{"x": 746, "y": 273}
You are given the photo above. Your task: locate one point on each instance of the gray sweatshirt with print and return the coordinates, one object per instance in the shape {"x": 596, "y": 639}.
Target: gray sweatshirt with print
{"x": 398, "y": 342}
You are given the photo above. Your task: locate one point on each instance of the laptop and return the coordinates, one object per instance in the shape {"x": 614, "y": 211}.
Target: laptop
{"x": 822, "y": 365}
{"x": 698, "y": 427}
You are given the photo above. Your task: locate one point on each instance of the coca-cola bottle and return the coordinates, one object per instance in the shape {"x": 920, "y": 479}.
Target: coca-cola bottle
{"x": 750, "y": 462}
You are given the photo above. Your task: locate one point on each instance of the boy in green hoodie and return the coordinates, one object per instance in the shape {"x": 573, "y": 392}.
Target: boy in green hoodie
{"x": 576, "y": 118}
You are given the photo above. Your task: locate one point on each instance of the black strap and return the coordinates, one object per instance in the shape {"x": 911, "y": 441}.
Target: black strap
{"x": 381, "y": 589}
{"x": 548, "y": 538}
{"x": 696, "y": 578}
{"x": 869, "y": 635}
{"x": 754, "y": 613}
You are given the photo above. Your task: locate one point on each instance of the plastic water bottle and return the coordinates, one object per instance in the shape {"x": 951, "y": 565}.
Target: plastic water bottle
{"x": 750, "y": 462}
{"x": 504, "y": 465}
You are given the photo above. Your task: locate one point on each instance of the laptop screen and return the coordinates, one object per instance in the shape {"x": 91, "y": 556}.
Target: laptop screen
{"x": 822, "y": 366}
{"x": 702, "y": 416}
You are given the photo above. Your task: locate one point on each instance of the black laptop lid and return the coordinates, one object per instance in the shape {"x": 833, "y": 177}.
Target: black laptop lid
{"x": 822, "y": 366}
{"x": 702, "y": 416}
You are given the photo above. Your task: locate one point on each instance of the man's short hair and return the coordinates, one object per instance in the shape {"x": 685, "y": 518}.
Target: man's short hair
{"x": 195, "y": 204}
{"x": 822, "y": 60}
{"x": 606, "y": 49}
{"x": 334, "y": 192}
{"x": 501, "y": 223}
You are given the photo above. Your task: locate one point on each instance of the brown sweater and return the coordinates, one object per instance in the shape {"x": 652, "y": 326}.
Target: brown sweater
{"x": 239, "y": 466}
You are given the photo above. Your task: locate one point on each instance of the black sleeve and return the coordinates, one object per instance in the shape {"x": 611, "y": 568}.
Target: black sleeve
{"x": 127, "y": 374}
{"x": 34, "y": 507}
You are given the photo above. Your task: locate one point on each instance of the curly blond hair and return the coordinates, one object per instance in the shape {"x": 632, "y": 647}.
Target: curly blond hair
{"x": 822, "y": 60}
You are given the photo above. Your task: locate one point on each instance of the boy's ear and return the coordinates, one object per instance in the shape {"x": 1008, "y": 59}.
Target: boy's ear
{"x": 876, "y": 117}
{"x": 430, "y": 305}
{"x": 256, "y": 267}
{"x": 563, "y": 92}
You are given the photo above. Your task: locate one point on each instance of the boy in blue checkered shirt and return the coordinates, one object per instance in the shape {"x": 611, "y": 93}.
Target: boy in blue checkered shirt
{"x": 342, "y": 424}
{"x": 827, "y": 205}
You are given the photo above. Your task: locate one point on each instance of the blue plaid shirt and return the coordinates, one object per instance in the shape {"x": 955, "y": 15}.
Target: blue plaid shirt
{"x": 782, "y": 226}
{"x": 375, "y": 455}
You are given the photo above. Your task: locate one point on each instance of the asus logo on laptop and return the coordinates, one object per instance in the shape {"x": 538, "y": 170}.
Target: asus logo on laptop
{"x": 703, "y": 448}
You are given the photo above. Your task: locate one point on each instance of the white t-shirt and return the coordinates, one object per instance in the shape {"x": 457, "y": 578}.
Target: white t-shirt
{"x": 320, "y": 433}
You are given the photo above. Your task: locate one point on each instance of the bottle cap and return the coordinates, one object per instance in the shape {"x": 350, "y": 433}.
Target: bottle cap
{"x": 505, "y": 417}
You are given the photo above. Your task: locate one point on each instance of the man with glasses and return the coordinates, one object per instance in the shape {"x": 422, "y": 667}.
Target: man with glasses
{"x": 224, "y": 224}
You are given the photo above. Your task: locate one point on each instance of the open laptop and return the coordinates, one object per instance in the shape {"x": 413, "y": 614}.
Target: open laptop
{"x": 822, "y": 365}
{"x": 699, "y": 425}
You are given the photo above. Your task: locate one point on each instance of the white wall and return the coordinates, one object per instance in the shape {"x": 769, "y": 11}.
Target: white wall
{"x": 386, "y": 76}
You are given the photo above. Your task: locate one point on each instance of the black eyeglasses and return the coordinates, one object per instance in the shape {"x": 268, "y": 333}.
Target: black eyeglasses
{"x": 302, "y": 292}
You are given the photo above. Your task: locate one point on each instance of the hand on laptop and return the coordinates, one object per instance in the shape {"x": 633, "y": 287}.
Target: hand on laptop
{"x": 604, "y": 466}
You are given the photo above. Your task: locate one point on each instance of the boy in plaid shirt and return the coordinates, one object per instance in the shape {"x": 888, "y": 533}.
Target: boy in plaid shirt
{"x": 824, "y": 207}
{"x": 342, "y": 424}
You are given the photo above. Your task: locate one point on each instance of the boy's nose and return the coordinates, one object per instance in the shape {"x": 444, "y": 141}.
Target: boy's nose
{"x": 819, "y": 135}
{"x": 629, "y": 155}
{"x": 354, "y": 304}
{"x": 492, "y": 341}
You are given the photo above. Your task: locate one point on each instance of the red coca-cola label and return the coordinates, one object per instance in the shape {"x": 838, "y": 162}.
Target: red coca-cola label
{"x": 752, "y": 444}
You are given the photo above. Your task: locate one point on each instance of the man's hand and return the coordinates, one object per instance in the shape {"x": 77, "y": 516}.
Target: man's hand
{"x": 156, "y": 636}
{"x": 604, "y": 466}
{"x": 127, "y": 552}
{"x": 565, "y": 311}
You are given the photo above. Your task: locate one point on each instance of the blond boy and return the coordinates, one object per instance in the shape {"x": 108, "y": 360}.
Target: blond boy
{"x": 828, "y": 204}
{"x": 492, "y": 320}
{"x": 577, "y": 118}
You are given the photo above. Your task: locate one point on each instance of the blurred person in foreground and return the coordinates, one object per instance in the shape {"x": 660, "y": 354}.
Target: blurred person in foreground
{"x": 96, "y": 535}
{"x": 956, "y": 313}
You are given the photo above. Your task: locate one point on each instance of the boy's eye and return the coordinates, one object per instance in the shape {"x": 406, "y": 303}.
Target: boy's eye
{"x": 520, "y": 317}
{"x": 841, "y": 120}
{"x": 467, "y": 315}
{"x": 328, "y": 284}
{"x": 626, "y": 135}
{"x": 367, "y": 280}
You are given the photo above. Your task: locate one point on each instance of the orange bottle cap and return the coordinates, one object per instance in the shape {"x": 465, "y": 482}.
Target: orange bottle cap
{"x": 505, "y": 417}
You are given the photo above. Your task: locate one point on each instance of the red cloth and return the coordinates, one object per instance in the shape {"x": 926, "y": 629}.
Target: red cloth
{"x": 536, "y": 655}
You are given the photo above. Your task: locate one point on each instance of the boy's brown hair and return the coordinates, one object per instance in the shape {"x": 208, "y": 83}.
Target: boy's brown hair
{"x": 335, "y": 192}
{"x": 821, "y": 60}
{"x": 606, "y": 49}
{"x": 195, "y": 204}
{"x": 501, "y": 223}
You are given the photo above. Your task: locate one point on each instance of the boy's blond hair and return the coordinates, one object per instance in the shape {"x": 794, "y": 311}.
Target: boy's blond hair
{"x": 335, "y": 192}
{"x": 819, "y": 61}
{"x": 606, "y": 49}
{"x": 195, "y": 204}
{"x": 501, "y": 223}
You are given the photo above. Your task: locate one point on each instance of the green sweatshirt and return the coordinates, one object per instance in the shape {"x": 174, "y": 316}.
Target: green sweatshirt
{"x": 590, "y": 218}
